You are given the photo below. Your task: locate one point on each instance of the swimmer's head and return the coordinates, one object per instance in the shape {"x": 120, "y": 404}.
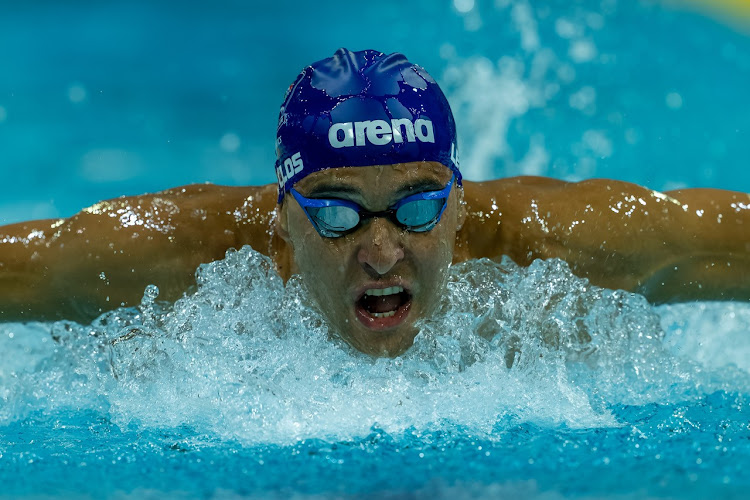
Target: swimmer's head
{"x": 359, "y": 109}
{"x": 366, "y": 146}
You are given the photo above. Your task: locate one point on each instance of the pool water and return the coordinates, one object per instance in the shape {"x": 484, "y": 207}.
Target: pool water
{"x": 138, "y": 96}
{"x": 529, "y": 383}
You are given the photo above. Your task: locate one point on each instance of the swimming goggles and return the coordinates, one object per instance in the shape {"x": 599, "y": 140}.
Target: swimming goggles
{"x": 333, "y": 217}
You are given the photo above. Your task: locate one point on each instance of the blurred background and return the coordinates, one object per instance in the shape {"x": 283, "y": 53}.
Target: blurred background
{"x": 100, "y": 99}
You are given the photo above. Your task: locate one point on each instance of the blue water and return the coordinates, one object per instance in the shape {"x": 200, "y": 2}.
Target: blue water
{"x": 239, "y": 391}
{"x": 529, "y": 382}
{"x": 99, "y": 100}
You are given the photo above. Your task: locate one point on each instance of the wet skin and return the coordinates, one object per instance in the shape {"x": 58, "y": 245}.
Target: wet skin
{"x": 376, "y": 256}
{"x": 682, "y": 245}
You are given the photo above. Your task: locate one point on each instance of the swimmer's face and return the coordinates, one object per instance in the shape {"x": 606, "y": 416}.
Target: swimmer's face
{"x": 374, "y": 283}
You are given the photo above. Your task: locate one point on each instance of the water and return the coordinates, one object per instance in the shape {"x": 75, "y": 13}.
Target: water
{"x": 530, "y": 383}
{"x": 139, "y": 96}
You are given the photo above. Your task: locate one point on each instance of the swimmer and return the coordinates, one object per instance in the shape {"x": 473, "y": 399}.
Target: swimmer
{"x": 370, "y": 209}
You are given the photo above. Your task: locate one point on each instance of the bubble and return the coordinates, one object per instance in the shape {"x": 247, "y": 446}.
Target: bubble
{"x": 447, "y": 51}
{"x": 536, "y": 160}
{"x": 674, "y": 100}
{"x": 582, "y": 51}
{"x": 567, "y": 29}
{"x": 633, "y": 136}
{"x": 598, "y": 143}
{"x": 584, "y": 100}
{"x": 77, "y": 93}
{"x": 525, "y": 23}
{"x": 463, "y": 6}
{"x": 472, "y": 21}
{"x": 566, "y": 73}
{"x": 230, "y": 142}
{"x": 595, "y": 20}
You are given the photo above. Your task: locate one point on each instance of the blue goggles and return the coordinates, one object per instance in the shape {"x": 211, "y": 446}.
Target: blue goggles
{"x": 333, "y": 217}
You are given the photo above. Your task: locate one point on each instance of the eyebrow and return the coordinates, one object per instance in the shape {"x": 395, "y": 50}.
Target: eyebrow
{"x": 336, "y": 190}
{"x": 333, "y": 190}
{"x": 419, "y": 186}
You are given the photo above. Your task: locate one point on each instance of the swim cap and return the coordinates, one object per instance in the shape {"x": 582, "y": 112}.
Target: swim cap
{"x": 362, "y": 108}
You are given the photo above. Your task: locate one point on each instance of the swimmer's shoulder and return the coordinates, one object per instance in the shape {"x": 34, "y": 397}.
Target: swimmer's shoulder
{"x": 508, "y": 185}
{"x": 214, "y": 197}
{"x": 522, "y": 216}
{"x": 247, "y": 211}
{"x": 510, "y": 191}
{"x": 202, "y": 202}
{"x": 539, "y": 183}
{"x": 199, "y": 214}
{"x": 522, "y": 189}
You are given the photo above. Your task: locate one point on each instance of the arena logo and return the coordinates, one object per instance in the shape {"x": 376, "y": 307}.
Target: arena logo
{"x": 380, "y": 132}
{"x": 291, "y": 166}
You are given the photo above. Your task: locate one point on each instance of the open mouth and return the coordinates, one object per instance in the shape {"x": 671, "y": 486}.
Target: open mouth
{"x": 382, "y": 308}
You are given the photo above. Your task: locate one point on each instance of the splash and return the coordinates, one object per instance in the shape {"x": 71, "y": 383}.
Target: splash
{"x": 247, "y": 358}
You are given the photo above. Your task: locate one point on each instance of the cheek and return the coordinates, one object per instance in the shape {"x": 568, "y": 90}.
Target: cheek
{"x": 436, "y": 252}
{"x": 316, "y": 260}
{"x": 321, "y": 267}
{"x": 434, "y": 255}
{"x": 445, "y": 238}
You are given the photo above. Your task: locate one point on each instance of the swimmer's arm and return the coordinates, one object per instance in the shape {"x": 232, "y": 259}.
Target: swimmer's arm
{"x": 104, "y": 257}
{"x": 707, "y": 236}
{"x": 691, "y": 244}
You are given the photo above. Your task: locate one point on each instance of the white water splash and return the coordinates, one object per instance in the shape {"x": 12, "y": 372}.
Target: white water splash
{"x": 245, "y": 358}
{"x": 528, "y": 74}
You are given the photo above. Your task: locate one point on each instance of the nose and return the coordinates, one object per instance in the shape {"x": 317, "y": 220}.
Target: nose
{"x": 380, "y": 247}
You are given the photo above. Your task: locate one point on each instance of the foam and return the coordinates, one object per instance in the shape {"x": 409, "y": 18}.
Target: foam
{"x": 246, "y": 358}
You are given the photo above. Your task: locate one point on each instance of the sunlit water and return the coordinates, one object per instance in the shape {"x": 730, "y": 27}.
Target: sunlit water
{"x": 528, "y": 382}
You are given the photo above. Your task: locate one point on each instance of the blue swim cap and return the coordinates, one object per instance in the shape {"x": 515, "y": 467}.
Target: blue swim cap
{"x": 362, "y": 108}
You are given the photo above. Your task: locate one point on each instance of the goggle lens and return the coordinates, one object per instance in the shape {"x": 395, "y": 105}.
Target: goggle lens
{"x": 333, "y": 218}
{"x": 420, "y": 215}
{"x": 333, "y": 221}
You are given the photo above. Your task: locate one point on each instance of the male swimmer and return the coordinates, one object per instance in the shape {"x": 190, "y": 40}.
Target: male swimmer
{"x": 370, "y": 210}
